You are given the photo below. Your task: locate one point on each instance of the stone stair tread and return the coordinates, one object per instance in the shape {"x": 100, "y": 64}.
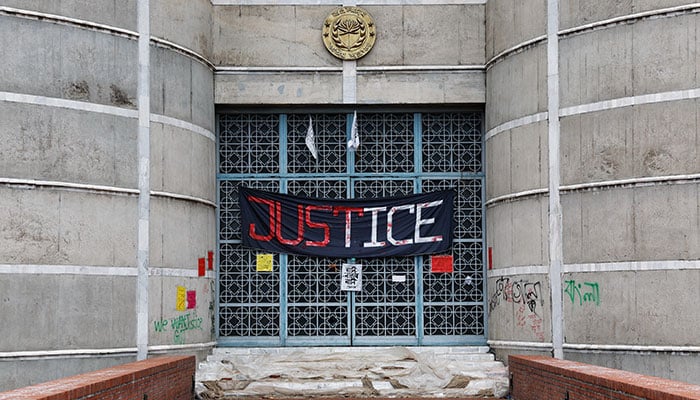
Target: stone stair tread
{"x": 367, "y": 372}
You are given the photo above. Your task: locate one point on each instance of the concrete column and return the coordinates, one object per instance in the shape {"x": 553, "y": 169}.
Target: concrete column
{"x": 556, "y": 256}
{"x": 144, "y": 157}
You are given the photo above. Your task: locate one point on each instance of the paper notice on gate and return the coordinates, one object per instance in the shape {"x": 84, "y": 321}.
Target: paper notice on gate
{"x": 351, "y": 277}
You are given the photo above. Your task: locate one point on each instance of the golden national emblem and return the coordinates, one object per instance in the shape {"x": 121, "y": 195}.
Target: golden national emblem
{"x": 349, "y": 33}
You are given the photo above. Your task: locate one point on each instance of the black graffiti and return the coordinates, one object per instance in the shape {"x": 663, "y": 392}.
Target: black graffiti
{"x": 520, "y": 292}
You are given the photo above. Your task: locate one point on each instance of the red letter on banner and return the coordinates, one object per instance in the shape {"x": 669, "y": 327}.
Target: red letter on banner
{"x": 300, "y": 226}
{"x": 348, "y": 214}
{"x": 271, "y": 211}
{"x": 324, "y": 226}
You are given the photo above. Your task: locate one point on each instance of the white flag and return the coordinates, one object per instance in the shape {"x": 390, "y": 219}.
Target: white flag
{"x": 311, "y": 141}
{"x": 354, "y": 142}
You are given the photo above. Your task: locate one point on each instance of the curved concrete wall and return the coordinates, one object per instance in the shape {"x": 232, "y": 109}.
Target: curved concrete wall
{"x": 69, "y": 183}
{"x": 627, "y": 182}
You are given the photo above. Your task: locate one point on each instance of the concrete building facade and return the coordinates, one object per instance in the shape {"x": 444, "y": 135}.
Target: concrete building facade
{"x": 112, "y": 187}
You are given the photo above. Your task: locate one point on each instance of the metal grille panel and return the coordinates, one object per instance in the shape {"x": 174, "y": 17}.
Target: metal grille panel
{"x": 248, "y": 143}
{"x": 329, "y": 132}
{"x": 452, "y": 142}
{"x": 401, "y": 300}
{"x": 387, "y": 143}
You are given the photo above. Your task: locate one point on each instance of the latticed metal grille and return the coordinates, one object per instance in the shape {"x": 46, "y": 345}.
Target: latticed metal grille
{"x": 248, "y": 143}
{"x": 401, "y": 301}
{"x": 329, "y": 132}
{"x": 387, "y": 143}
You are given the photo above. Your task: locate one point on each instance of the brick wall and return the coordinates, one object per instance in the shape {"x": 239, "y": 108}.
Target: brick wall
{"x": 546, "y": 378}
{"x": 160, "y": 378}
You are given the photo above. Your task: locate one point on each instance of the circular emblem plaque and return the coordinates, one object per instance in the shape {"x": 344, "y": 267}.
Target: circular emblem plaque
{"x": 349, "y": 33}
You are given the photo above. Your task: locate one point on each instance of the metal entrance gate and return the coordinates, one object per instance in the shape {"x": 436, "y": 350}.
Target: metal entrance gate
{"x": 402, "y": 302}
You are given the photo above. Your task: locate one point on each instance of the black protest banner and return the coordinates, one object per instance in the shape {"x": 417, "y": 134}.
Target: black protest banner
{"x": 359, "y": 228}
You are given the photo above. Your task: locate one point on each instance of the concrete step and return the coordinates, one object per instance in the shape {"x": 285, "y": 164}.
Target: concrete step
{"x": 351, "y": 371}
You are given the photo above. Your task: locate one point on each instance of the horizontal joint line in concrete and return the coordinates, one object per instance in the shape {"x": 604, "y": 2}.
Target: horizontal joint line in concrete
{"x": 509, "y": 344}
{"x": 632, "y": 182}
{"x": 133, "y": 35}
{"x": 515, "y": 49}
{"x": 632, "y": 348}
{"x": 190, "y": 346}
{"x": 516, "y": 196}
{"x": 422, "y": 68}
{"x": 85, "y": 353}
{"x": 611, "y": 104}
{"x": 91, "y": 270}
{"x": 182, "y": 50}
{"x": 626, "y": 266}
{"x": 631, "y": 101}
{"x": 101, "y": 109}
{"x": 70, "y": 104}
{"x": 69, "y": 353}
{"x": 331, "y": 2}
{"x": 231, "y": 70}
{"x": 178, "y": 272}
{"x": 228, "y": 70}
{"x": 178, "y": 123}
{"x": 60, "y": 19}
{"x": 527, "y": 120}
{"x": 668, "y": 265}
{"x": 100, "y": 189}
{"x": 684, "y": 9}
{"x": 519, "y": 270}
{"x": 183, "y": 197}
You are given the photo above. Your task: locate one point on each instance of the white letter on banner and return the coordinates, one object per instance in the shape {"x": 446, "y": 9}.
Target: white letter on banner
{"x": 390, "y": 224}
{"x": 374, "y": 242}
{"x": 420, "y": 222}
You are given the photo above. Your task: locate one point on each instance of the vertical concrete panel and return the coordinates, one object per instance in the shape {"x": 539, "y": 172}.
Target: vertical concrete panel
{"x": 665, "y": 139}
{"x": 625, "y": 307}
{"x": 573, "y": 245}
{"x": 573, "y": 13}
{"x": 519, "y": 308}
{"x": 510, "y": 23}
{"x": 171, "y": 84}
{"x": 500, "y": 238}
{"x": 180, "y": 323}
{"x": 47, "y": 312}
{"x": 516, "y": 87}
{"x": 598, "y": 146}
{"x": 29, "y": 229}
{"x": 67, "y": 62}
{"x": 203, "y": 173}
{"x": 498, "y": 159}
{"x": 202, "y": 96}
{"x": 47, "y": 143}
{"x": 528, "y": 232}
{"x": 666, "y": 222}
{"x": 610, "y": 317}
{"x": 607, "y": 224}
{"x": 597, "y": 66}
{"x": 671, "y": 365}
{"x": 97, "y": 231}
{"x": 529, "y": 157}
{"x": 184, "y": 22}
{"x": 668, "y": 67}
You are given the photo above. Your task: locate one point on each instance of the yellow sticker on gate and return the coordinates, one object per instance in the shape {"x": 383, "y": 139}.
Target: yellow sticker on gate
{"x": 263, "y": 263}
